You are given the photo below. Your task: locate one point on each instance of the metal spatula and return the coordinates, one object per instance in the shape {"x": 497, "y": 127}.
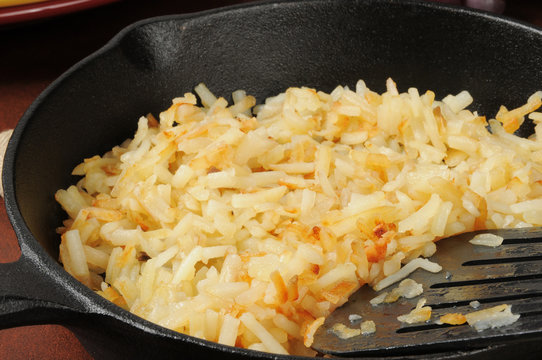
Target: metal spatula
{"x": 507, "y": 274}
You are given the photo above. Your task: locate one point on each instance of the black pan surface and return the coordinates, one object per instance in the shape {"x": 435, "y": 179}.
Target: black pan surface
{"x": 263, "y": 48}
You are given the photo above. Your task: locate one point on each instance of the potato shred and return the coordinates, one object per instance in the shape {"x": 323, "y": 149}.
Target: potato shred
{"x": 249, "y": 230}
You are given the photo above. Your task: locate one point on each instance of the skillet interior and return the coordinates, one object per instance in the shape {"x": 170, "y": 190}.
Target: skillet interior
{"x": 262, "y": 48}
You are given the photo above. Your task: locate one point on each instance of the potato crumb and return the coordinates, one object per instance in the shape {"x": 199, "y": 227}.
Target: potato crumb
{"x": 407, "y": 270}
{"x": 407, "y": 288}
{"x": 497, "y": 316}
{"x": 488, "y": 239}
{"x": 453, "y": 319}
{"x": 344, "y": 332}
{"x": 368, "y": 327}
{"x": 419, "y": 314}
{"x": 379, "y": 299}
{"x": 354, "y": 318}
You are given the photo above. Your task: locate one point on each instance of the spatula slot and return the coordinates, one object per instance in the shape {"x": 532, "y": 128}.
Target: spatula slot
{"x": 537, "y": 240}
{"x": 485, "y": 281}
{"x": 424, "y": 327}
{"x": 496, "y": 299}
{"x": 502, "y": 260}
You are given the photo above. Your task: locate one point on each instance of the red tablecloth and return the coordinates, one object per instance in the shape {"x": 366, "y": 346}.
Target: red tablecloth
{"x": 33, "y": 55}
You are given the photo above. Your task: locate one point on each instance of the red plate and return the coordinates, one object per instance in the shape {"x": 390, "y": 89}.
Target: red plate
{"x": 41, "y": 10}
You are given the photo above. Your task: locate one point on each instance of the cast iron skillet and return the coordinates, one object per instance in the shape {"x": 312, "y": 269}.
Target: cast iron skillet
{"x": 262, "y": 48}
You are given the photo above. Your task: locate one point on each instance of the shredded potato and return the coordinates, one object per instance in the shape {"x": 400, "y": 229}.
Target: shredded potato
{"x": 250, "y": 230}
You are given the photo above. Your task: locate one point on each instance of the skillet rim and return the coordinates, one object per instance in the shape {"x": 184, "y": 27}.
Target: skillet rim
{"x": 33, "y": 251}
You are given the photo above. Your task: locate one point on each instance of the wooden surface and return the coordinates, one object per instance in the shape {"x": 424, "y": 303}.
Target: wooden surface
{"x": 31, "y": 57}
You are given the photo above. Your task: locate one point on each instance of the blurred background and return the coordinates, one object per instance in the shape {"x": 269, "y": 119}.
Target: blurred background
{"x": 39, "y": 41}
